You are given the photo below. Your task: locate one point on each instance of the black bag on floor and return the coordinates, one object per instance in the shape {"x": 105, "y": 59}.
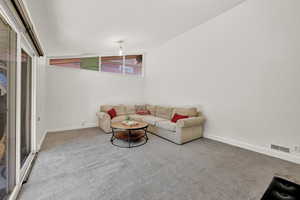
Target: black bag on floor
{"x": 281, "y": 189}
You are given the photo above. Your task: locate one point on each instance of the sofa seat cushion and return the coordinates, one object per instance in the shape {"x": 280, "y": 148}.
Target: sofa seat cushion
{"x": 150, "y": 119}
{"x": 136, "y": 117}
{"x": 118, "y": 118}
{"x": 168, "y": 125}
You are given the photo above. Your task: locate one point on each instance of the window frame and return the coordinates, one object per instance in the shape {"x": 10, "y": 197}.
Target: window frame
{"x": 142, "y": 66}
{"x": 48, "y": 61}
{"x": 100, "y": 63}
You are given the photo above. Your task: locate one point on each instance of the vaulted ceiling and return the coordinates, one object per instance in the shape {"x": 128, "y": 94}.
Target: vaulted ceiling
{"x": 77, "y": 27}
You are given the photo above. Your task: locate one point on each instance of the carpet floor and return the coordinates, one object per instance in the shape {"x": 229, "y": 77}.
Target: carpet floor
{"x": 82, "y": 164}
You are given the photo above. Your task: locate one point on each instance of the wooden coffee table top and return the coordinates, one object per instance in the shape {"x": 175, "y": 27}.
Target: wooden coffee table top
{"x": 120, "y": 125}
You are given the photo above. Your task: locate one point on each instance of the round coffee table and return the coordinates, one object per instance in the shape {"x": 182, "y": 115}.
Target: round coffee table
{"x": 133, "y": 135}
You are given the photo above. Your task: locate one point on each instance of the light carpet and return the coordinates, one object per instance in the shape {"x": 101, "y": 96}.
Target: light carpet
{"x": 82, "y": 164}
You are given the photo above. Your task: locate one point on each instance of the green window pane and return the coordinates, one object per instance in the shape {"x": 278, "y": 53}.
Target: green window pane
{"x": 91, "y": 63}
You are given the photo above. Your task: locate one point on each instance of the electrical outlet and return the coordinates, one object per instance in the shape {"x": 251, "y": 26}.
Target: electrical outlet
{"x": 83, "y": 123}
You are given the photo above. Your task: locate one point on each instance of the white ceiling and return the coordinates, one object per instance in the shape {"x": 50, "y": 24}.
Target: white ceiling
{"x": 75, "y": 27}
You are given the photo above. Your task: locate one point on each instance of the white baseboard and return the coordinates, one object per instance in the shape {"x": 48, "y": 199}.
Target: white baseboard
{"x": 87, "y": 125}
{"x": 41, "y": 141}
{"x": 251, "y": 147}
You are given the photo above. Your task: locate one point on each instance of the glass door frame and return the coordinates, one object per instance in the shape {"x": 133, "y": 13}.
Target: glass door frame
{"x": 24, "y": 45}
{"x": 10, "y": 132}
{"x": 19, "y": 174}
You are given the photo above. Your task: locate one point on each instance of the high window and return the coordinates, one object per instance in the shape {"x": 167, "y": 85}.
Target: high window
{"x": 112, "y": 64}
{"x": 133, "y": 64}
{"x": 127, "y": 64}
{"x": 66, "y": 62}
{"x": 90, "y": 63}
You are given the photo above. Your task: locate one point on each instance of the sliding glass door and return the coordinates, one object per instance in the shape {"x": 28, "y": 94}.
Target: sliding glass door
{"x": 8, "y": 52}
{"x": 17, "y": 108}
{"x": 26, "y": 106}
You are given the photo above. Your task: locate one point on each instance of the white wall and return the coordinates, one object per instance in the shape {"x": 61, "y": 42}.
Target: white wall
{"x": 40, "y": 100}
{"x": 243, "y": 68}
{"x": 74, "y": 96}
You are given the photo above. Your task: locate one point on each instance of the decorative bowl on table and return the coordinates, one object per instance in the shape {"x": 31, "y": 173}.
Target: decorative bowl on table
{"x": 129, "y": 123}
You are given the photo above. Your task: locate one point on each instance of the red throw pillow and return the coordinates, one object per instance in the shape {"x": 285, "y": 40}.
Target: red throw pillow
{"x": 112, "y": 113}
{"x": 143, "y": 112}
{"x": 177, "y": 117}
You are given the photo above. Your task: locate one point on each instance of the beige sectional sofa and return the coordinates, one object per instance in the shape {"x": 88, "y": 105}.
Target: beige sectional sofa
{"x": 184, "y": 130}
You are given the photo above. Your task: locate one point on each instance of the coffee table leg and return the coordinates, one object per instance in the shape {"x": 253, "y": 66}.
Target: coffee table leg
{"x": 129, "y": 139}
{"x": 146, "y": 133}
{"x": 112, "y": 136}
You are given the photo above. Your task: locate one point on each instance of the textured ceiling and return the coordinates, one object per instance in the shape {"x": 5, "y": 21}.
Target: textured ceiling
{"x": 75, "y": 27}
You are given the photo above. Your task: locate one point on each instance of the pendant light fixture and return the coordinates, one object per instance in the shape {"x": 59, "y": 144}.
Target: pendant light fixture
{"x": 121, "y": 50}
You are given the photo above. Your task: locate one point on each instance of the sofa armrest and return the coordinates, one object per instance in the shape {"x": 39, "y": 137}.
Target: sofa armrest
{"x": 191, "y": 121}
{"x": 104, "y": 121}
{"x": 102, "y": 115}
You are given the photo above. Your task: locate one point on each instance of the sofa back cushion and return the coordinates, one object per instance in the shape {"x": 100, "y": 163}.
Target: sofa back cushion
{"x": 105, "y": 108}
{"x": 164, "y": 112}
{"x": 120, "y": 109}
{"x": 140, "y": 107}
{"x": 130, "y": 109}
{"x": 188, "y": 111}
{"x": 152, "y": 109}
